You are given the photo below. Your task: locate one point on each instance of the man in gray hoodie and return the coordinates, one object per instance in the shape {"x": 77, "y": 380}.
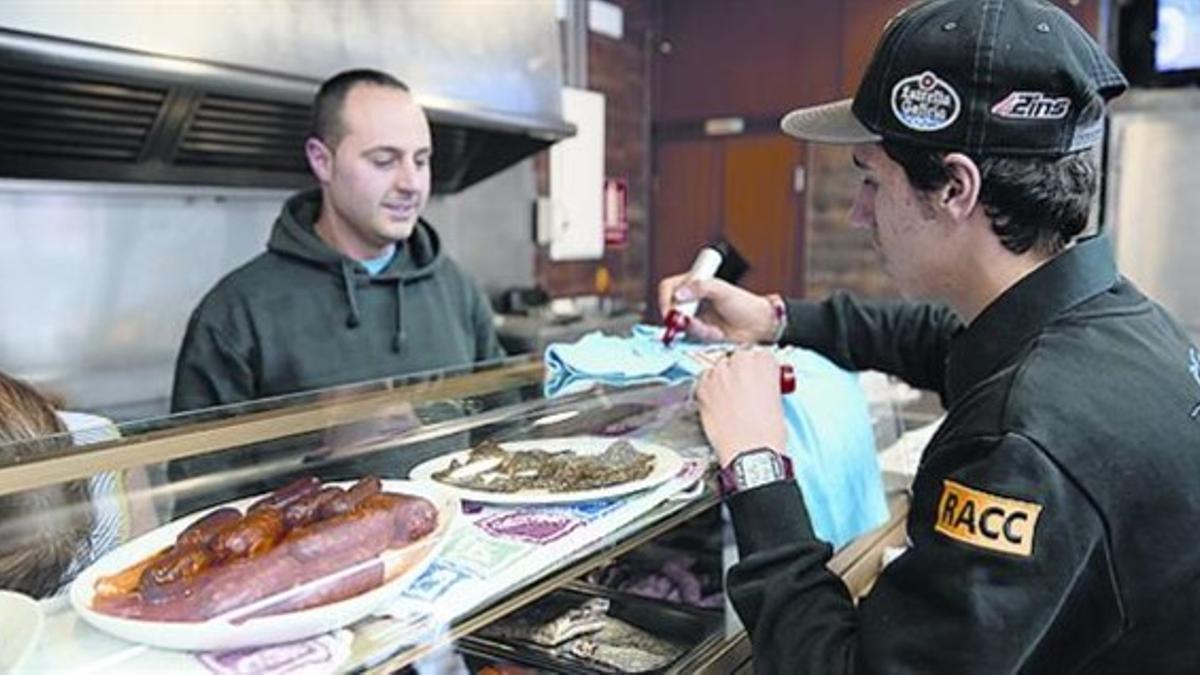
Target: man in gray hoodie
{"x": 353, "y": 285}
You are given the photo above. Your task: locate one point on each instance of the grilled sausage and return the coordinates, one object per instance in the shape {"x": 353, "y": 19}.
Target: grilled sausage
{"x": 307, "y": 554}
{"x": 172, "y": 562}
{"x": 348, "y": 586}
{"x": 126, "y": 581}
{"x": 165, "y": 579}
{"x": 308, "y": 510}
{"x": 252, "y": 558}
{"x": 297, "y": 489}
{"x": 214, "y": 591}
{"x": 248, "y": 580}
{"x": 336, "y": 543}
{"x": 352, "y": 498}
{"x": 201, "y": 532}
{"x": 251, "y": 536}
{"x": 412, "y": 517}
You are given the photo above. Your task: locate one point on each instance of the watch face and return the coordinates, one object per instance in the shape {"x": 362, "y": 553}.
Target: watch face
{"x": 756, "y": 468}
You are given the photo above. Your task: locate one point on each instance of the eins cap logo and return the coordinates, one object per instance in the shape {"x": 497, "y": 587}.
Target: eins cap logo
{"x": 1032, "y": 105}
{"x": 925, "y": 102}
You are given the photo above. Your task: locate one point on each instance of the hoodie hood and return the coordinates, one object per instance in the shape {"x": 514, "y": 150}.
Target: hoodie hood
{"x": 294, "y": 236}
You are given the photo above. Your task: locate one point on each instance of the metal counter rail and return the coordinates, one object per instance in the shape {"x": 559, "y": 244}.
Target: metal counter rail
{"x": 214, "y": 435}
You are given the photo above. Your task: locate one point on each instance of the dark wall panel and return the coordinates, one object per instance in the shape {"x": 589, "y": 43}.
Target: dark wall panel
{"x": 746, "y": 57}
{"x": 686, "y": 205}
{"x": 761, "y": 213}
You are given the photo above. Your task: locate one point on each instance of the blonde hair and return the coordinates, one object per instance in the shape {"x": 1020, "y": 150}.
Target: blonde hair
{"x": 42, "y": 530}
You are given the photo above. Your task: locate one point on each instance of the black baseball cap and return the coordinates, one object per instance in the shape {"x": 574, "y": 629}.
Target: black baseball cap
{"x": 986, "y": 77}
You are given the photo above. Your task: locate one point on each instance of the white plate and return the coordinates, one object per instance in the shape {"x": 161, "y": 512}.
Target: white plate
{"x": 667, "y": 464}
{"x": 221, "y": 634}
{"x": 21, "y": 624}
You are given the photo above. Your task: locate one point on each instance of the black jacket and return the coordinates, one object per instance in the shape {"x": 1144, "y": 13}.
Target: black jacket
{"x": 301, "y": 316}
{"x": 1054, "y": 514}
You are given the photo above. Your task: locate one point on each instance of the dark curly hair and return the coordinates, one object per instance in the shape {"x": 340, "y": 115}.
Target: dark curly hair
{"x": 1035, "y": 203}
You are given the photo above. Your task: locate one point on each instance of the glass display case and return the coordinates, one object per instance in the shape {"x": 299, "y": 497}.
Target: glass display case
{"x": 496, "y": 561}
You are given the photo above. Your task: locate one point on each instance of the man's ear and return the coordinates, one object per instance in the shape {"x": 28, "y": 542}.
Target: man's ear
{"x": 320, "y": 159}
{"x": 960, "y": 195}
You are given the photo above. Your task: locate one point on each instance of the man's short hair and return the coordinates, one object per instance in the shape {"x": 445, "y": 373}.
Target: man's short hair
{"x": 327, "y": 106}
{"x": 1035, "y": 203}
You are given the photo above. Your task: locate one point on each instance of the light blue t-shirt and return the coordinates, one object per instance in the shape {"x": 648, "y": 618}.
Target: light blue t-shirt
{"x": 375, "y": 265}
{"x": 830, "y": 438}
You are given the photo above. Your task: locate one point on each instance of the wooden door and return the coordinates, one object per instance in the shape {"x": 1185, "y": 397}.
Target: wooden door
{"x": 737, "y": 187}
{"x": 762, "y": 214}
{"x": 686, "y": 203}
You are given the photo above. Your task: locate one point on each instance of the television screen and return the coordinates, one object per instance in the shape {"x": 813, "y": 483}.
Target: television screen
{"x": 1177, "y": 36}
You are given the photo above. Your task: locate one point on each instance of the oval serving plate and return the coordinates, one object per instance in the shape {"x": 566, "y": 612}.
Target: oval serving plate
{"x": 229, "y": 632}
{"x": 667, "y": 465}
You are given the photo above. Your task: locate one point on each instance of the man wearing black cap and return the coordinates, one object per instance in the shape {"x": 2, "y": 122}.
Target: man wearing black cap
{"x": 1054, "y": 513}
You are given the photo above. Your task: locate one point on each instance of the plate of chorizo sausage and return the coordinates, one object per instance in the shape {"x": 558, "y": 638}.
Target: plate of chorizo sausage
{"x": 303, "y": 560}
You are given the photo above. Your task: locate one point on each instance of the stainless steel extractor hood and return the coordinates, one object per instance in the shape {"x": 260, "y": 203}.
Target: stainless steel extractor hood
{"x": 217, "y": 92}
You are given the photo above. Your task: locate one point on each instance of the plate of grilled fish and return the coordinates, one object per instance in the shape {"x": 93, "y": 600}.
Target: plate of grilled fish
{"x": 552, "y": 470}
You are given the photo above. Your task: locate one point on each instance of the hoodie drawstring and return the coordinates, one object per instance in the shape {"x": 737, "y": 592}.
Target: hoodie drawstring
{"x": 353, "y": 320}
{"x": 398, "y": 338}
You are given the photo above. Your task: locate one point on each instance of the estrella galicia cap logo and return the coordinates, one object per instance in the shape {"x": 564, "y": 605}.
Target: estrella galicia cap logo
{"x": 925, "y": 102}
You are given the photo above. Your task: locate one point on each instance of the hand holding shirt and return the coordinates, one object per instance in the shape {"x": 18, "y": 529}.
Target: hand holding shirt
{"x": 829, "y": 434}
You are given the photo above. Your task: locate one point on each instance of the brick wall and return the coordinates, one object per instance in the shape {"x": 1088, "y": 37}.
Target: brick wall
{"x": 839, "y": 256}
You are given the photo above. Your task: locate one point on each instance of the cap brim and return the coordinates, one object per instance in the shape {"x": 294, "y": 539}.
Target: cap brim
{"x": 828, "y": 123}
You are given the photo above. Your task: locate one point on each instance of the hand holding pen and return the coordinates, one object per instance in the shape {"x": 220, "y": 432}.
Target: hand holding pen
{"x": 727, "y": 313}
{"x": 738, "y": 312}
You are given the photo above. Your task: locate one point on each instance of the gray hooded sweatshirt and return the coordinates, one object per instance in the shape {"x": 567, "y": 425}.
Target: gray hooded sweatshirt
{"x": 302, "y": 316}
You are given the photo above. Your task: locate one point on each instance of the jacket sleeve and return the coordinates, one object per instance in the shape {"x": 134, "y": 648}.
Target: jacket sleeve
{"x": 210, "y": 369}
{"x": 947, "y": 605}
{"x": 908, "y": 340}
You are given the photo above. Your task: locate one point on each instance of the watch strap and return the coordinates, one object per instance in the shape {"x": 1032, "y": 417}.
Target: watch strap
{"x": 779, "y": 311}
{"x": 727, "y": 476}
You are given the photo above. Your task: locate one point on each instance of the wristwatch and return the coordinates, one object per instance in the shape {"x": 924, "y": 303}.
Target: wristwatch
{"x": 753, "y": 468}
